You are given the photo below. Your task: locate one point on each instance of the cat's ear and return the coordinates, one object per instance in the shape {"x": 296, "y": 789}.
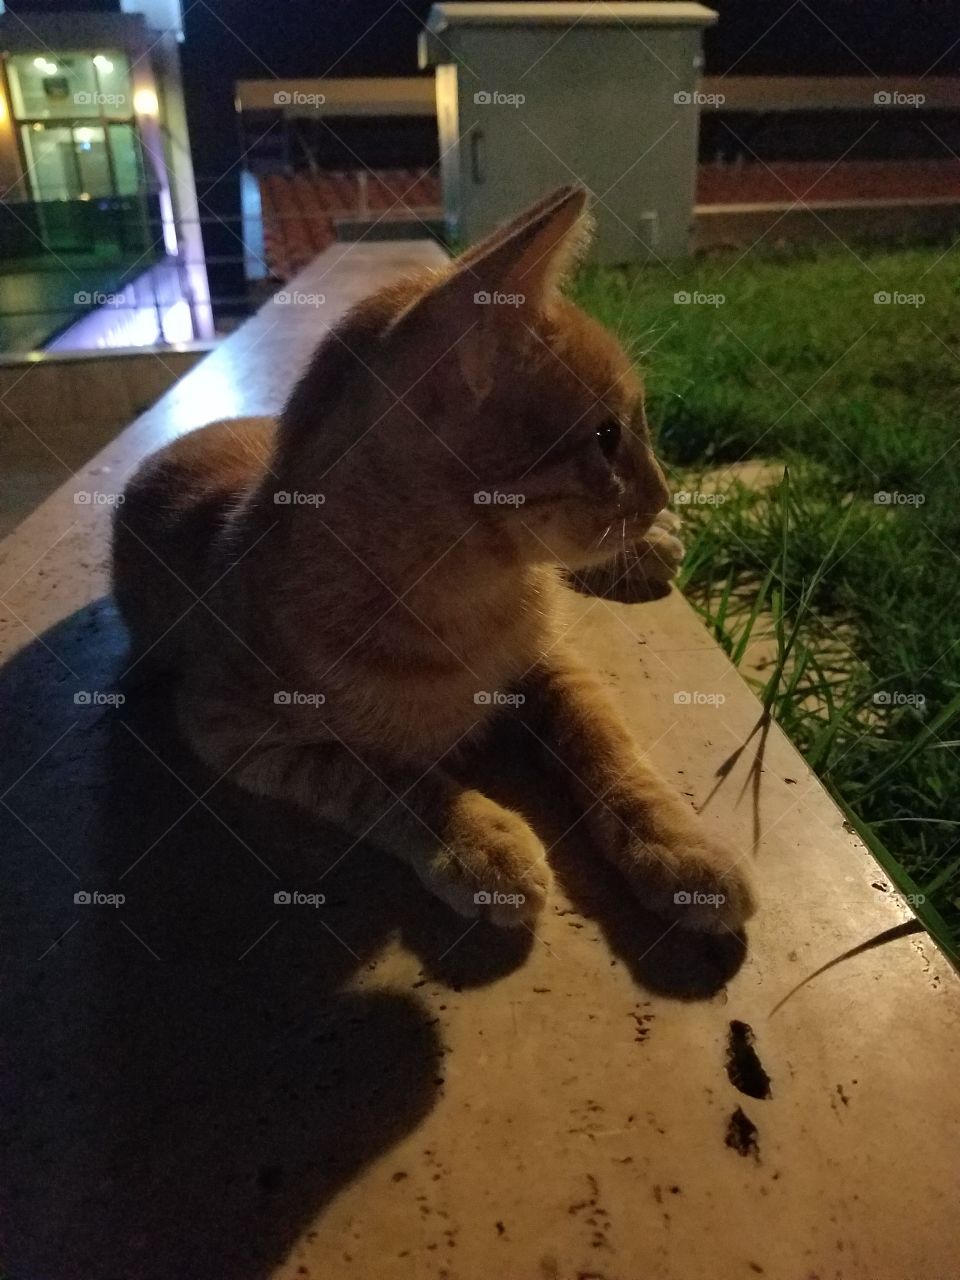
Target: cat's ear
{"x": 518, "y": 265}
{"x": 531, "y": 255}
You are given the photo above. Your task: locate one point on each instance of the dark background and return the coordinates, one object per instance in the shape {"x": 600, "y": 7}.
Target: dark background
{"x": 314, "y": 37}
{"x": 228, "y": 40}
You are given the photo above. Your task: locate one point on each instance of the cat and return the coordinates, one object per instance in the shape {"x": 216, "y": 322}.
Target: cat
{"x": 349, "y": 593}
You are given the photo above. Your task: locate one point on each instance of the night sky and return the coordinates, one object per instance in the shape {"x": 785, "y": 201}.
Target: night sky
{"x": 320, "y": 37}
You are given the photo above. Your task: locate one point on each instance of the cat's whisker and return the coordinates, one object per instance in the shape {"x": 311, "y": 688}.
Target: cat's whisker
{"x": 633, "y": 344}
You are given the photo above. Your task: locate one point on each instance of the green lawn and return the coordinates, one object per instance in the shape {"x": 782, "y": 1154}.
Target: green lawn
{"x": 799, "y": 364}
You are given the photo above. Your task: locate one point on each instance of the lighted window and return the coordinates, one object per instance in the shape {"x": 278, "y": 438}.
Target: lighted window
{"x": 70, "y": 85}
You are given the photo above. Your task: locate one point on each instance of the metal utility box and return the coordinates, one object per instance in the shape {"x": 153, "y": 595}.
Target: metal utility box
{"x": 533, "y": 95}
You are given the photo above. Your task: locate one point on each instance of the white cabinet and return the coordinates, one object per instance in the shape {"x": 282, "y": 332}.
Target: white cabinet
{"x": 533, "y": 95}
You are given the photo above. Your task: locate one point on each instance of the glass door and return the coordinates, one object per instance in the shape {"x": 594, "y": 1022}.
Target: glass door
{"x": 51, "y": 161}
{"x": 93, "y": 161}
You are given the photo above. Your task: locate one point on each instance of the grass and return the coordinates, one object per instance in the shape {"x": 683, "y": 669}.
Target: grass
{"x": 855, "y": 398}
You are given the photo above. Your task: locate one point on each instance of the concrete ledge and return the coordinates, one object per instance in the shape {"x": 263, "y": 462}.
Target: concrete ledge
{"x": 209, "y": 1085}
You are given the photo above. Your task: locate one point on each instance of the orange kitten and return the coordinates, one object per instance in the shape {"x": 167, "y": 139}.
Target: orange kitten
{"x": 348, "y": 594}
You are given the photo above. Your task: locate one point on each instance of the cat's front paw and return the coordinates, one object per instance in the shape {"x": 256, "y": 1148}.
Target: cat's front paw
{"x": 640, "y": 572}
{"x": 710, "y": 898}
{"x": 492, "y": 865}
{"x": 661, "y": 551}
{"x": 701, "y": 885}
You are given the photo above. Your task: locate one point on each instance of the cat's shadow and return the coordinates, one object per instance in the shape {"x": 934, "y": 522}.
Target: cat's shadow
{"x": 200, "y": 1068}
{"x": 195, "y": 1072}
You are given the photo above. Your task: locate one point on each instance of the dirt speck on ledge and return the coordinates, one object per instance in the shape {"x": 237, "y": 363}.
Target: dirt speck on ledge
{"x": 742, "y": 1135}
{"x": 744, "y": 1069}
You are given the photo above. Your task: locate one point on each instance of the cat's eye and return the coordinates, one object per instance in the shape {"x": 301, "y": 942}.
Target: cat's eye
{"x": 608, "y": 437}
